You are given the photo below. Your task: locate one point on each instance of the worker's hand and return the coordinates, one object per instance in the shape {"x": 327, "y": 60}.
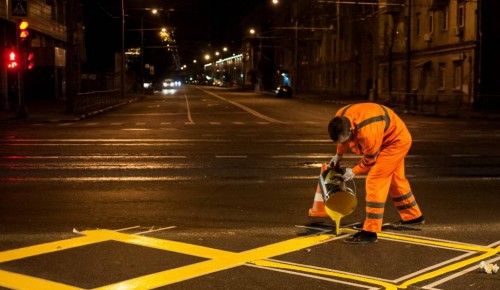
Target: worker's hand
{"x": 348, "y": 175}
{"x": 335, "y": 160}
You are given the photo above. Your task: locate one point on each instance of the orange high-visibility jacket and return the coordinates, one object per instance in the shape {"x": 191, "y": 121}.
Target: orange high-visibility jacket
{"x": 374, "y": 128}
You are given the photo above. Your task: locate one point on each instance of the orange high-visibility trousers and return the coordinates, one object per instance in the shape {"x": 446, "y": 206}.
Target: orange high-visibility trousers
{"x": 387, "y": 177}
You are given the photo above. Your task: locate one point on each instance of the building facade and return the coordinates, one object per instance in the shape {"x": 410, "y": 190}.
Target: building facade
{"x": 47, "y": 41}
{"x": 426, "y": 55}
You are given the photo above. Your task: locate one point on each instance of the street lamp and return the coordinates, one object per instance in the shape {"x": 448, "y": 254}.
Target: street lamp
{"x": 154, "y": 12}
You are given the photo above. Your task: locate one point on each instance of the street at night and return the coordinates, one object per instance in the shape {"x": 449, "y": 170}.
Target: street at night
{"x": 207, "y": 187}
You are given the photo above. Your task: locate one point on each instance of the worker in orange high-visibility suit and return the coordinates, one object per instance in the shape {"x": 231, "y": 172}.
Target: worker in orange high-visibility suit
{"x": 381, "y": 137}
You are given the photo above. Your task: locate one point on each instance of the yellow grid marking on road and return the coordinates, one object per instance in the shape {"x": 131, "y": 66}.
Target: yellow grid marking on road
{"x": 219, "y": 260}
{"x": 488, "y": 252}
{"x": 331, "y": 273}
{"x": 46, "y": 248}
{"x": 18, "y": 281}
{"x": 450, "y": 245}
{"x": 160, "y": 244}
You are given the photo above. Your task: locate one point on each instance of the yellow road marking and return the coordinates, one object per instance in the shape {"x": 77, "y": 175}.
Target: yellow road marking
{"x": 219, "y": 260}
{"x": 450, "y": 268}
{"x": 166, "y": 245}
{"x": 331, "y": 273}
{"x": 18, "y": 281}
{"x": 48, "y": 248}
{"x": 450, "y": 245}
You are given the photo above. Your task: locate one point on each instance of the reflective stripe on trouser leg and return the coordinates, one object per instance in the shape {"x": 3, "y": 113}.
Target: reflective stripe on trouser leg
{"x": 402, "y": 196}
{"x": 379, "y": 181}
{"x": 374, "y": 217}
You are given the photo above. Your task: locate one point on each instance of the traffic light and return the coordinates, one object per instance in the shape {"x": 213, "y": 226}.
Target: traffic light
{"x": 12, "y": 60}
{"x": 30, "y": 60}
{"x": 23, "y": 30}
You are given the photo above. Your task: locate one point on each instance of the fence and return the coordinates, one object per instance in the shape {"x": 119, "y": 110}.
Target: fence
{"x": 92, "y": 101}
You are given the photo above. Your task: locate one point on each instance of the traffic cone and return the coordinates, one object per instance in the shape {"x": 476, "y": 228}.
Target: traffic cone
{"x": 318, "y": 207}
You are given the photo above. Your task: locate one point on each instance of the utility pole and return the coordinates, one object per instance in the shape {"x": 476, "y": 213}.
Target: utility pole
{"x": 408, "y": 55}
{"x": 70, "y": 52}
{"x": 296, "y": 54}
{"x": 339, "y": 58}
{"x": 122, "y": 75}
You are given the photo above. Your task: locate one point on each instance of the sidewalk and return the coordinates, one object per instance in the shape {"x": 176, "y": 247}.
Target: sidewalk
{"x": 47, "y": 111}
{"x": 464, "y": 113}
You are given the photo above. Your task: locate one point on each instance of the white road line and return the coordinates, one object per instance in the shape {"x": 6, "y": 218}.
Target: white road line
{"x": 313, "y": 276}
{"x": 119, "y": 157}
{"x": 188, "y": 110}
{"x": 251, "y": 111}
{"x": 463, "y": 272}
{"x": 231, "y": 156}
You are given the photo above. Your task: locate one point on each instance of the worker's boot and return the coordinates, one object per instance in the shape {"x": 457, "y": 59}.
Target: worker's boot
{"x": 418, "y": 221}
{"x": 362, "y": 237}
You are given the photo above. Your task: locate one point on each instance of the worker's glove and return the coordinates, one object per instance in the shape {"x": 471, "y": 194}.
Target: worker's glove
{"x": 335, "y": 160}
{"x": 348, "y": 175}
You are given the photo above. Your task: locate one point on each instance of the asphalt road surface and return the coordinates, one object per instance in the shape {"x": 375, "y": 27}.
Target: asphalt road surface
{"x": 210, "y": 188}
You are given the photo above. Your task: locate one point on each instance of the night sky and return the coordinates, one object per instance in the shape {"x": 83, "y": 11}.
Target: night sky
{"x": 200, "y": 24}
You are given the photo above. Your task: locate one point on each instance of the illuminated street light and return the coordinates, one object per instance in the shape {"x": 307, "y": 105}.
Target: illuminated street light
{"x": 154, "y": 12}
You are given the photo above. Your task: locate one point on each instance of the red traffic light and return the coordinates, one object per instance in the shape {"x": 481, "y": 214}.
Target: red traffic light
{"x": 30, "y": 60}
{"x": 12, "y": 60}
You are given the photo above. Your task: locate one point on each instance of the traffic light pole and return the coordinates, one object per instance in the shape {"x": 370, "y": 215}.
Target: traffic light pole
{"x": 22, "y": 111}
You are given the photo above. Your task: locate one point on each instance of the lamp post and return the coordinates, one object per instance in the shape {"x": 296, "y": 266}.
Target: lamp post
{"x": 154, "y": 12}
{"x": 122, "y": 75}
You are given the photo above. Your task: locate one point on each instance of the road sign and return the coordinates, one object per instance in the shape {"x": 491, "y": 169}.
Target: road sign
{"x": 19, "y": 8}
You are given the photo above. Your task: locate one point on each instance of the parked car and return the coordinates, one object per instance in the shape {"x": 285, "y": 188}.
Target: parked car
{"x": 283, "y": 91}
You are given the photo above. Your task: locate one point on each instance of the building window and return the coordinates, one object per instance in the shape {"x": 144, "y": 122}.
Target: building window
{"x": 431, "y": 21}
{"x": 384, "y": 79}
{"x": 441, "y": 76}
{"x": 457, "y": 75}
{"x": 416, "y": 79}
{"x": 402, "y": 78}
{"x": 417, "y": 24}
{"x": 461, "y": 15}
{"x": 444, "y": 19}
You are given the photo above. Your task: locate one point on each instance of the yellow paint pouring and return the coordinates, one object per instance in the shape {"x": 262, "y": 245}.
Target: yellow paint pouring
{"x": 339, "y": 205}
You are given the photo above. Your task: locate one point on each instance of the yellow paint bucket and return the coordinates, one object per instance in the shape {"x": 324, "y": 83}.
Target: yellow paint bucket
{"x": 339, "y": 199}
